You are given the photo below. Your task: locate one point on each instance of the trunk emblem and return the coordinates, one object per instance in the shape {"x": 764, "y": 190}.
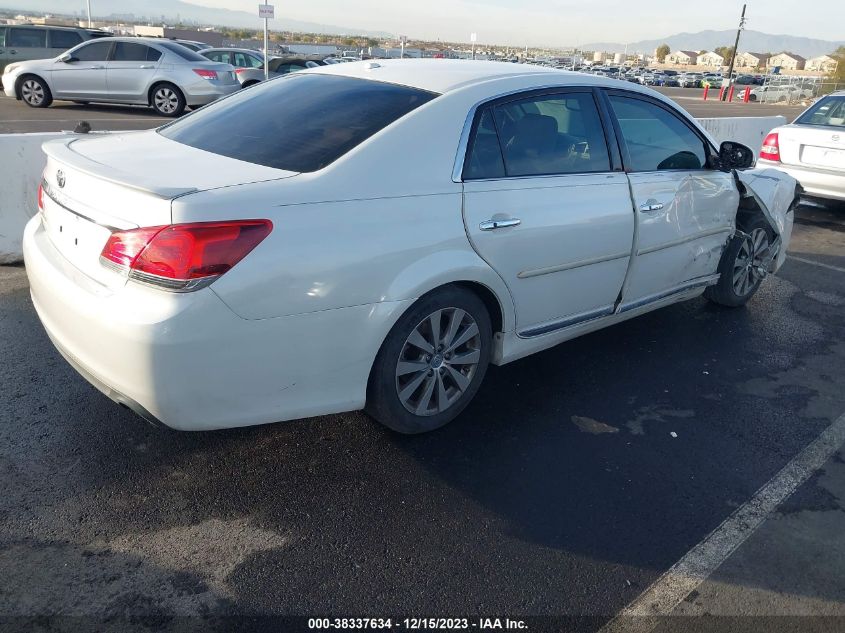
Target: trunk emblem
{"x": 60, "y": 178}
{"x": 835, "y": 137}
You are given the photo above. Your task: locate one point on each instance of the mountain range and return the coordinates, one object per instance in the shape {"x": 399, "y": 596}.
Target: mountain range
{"x": 753, "y": 41}
{"x": 171, "y": 10}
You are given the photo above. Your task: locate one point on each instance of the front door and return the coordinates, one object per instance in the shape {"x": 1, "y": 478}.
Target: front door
{"x": 685, "y": 209}
{"x": 83, "y": 78}
{"x": 545, "y": 208}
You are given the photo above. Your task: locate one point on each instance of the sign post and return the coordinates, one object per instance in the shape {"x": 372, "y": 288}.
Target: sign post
{"x": 266, "y": 11}
{"x": 472, "y": 38}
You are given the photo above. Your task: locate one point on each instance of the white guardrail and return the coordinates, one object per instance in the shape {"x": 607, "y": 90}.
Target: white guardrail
{"x": 23, "y": 162}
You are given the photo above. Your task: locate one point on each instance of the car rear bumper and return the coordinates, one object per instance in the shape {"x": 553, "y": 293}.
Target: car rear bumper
{"x": 816, "y": 182}
{"x": 189, "y": 362}
{"x": 202, "y": 92}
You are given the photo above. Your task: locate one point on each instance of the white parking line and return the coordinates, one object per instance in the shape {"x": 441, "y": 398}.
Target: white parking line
{"x": 667, "y": 592}
{"x": 814, "y": 263}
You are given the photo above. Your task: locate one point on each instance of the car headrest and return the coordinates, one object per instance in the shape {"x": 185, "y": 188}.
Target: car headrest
{"x": 534, "y": 132}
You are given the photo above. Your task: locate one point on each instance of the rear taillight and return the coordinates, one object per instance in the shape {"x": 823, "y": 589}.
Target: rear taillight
{"x": 238, "y": 71}
{"x": 206, "y": 74}
{"x": 771, "y": 147}
{"x": 183, "y": 257}
{"x": 40, "y": 196}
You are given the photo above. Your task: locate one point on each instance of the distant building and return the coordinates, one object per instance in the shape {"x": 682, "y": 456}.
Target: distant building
{"x": 821, "y": 64}
{"x": 751, "y": 60}
{"x": 682, "y": 58}
{"x": 787, "y": 61}
{"x": 209, "y": 37}
{"x": 710, "y": 59}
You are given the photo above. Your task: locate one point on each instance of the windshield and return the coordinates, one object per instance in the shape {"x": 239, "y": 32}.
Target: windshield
{"x": 298, "y": 123}
{"x": 830, "y": 112}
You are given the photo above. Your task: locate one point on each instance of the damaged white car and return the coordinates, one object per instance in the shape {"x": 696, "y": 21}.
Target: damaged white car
{"x": 381, "y": 238}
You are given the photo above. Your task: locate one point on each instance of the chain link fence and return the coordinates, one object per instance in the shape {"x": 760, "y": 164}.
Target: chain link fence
{"x": 793, "y": 90}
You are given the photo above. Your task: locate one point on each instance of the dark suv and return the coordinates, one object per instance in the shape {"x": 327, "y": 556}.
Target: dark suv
{"x": 30, "y": 41}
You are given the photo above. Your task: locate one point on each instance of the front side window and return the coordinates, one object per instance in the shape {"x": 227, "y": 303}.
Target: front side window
{"x": 64, "y": 39}
{"x": 656, "y": 139}
{"x": 829, "y": 112}
{"x": 323, "y": 118}
{"x": 28, "y": 38}
{"x": 244, "y": 60}
{"x": 94, "y": 52}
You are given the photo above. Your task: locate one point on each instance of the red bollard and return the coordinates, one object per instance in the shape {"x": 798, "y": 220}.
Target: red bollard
{"x": 746, "y": 95}
{"x": 731, "y": 94}
{"x": 706, "y": 90}
{"x": 721, "y": 93}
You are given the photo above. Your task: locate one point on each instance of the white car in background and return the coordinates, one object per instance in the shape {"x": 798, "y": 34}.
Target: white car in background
{"x": 155, "y": 72}
{"x": 379, "y": 240}
{"x": 812, "y": 148}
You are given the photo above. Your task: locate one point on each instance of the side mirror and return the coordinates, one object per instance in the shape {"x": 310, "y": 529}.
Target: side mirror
{"x": 68, "y": 58}
{"x": 734, "y": 155}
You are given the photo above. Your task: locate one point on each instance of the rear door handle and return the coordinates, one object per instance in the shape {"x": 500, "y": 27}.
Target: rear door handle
{"x": 147, "y": 67}
{"x": 492, "y": 225}
{"x": 655, "y": 206}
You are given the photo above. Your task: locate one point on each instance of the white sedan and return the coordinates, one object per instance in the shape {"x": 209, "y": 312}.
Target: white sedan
{"x": 812, "y": 148}
{"x": 373, "y": 234}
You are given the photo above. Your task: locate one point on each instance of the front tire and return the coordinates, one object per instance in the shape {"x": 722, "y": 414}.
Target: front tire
{"x": 432, "y": 362}
{"x": 34, "y": 92}
{"x": 739, "y": 276}
{"x": 167, "y": 100}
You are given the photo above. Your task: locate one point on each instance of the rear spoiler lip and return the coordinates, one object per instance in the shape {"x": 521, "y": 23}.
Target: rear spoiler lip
{"x": 61, "y": 150}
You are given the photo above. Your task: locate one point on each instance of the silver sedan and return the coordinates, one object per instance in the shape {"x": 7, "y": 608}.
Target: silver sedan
{"x": 140, "y": 71}
{"x": 812, "y": 149}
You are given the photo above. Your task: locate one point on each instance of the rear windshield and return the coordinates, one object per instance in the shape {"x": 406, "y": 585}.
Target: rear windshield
{"x": 183, "y": 52}
{"x": 828, "y": 112}
{"x": 301, "y": 122}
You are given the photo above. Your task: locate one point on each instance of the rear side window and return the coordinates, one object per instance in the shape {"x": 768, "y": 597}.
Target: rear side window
{"x": 129, "y": 52}
{"x": 28, "y": 38}
{"x": 656, "y": 139}
{"x": 185, "y": 53}
{"x": 299, "y": 123}
{"x": 94, "y": 52}
{"x": 544, "y": 135}
{"x": 828, "y": 112}
{"x": 64, "y": 39}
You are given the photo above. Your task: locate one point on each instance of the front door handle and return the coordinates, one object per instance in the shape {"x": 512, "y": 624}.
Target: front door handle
{"x": 651, "y": 206}
{"x": 492, "y": 225}
{"x": 147, "y": 67}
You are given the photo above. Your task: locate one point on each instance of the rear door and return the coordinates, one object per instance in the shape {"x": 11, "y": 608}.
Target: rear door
{"x": 547, "y": 206}
{"x": 130, "y": 71}
{"x": 685, "y": 208}
{"x": 84, "y": 78}
{"x": 817, "y": 140}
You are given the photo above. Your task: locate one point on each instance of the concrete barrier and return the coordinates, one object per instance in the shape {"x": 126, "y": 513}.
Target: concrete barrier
{"x": 749, "y": 131}
{"x": 23, "y": 162}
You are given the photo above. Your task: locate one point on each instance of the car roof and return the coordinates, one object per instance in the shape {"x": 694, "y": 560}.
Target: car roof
{"x": 446, "y": 75}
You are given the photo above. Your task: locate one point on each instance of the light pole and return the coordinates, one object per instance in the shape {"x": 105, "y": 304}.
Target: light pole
{"x": 736, "y": 47}
{"x": 89, "y": 13}
{"x": 472, "y": 38}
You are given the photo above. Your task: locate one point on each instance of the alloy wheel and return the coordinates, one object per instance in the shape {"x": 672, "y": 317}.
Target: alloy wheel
{"x": 32, "y": 92}
{"x": 438, "y": 361}
{"x": 749, "y": 259}
{"x": 166, "y": 100}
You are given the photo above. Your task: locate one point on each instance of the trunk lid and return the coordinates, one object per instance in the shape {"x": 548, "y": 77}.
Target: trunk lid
{"x": 93, "y": 186}
{"x": 812, "y": 146}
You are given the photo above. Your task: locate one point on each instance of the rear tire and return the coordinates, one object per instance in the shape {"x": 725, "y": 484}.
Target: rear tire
{"x": 432, "y": 362}
{"x": 739, "y": 279}
{"x": 34, "y": 92}
{"x": 167, "y": 100}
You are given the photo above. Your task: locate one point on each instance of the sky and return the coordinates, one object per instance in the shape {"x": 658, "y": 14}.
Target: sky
{"x": 538, "y": 22}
